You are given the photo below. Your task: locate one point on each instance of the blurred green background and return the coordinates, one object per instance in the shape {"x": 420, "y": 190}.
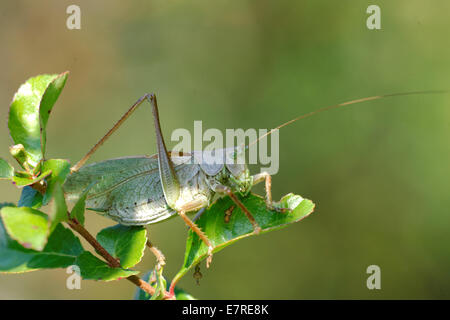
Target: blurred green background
{"x": 378, "y": 173}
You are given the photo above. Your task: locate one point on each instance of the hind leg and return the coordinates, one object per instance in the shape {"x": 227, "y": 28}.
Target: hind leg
{"x": 160, "y": 259}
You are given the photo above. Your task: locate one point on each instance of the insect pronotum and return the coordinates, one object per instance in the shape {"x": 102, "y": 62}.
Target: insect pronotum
{"x": 144, "y": 190}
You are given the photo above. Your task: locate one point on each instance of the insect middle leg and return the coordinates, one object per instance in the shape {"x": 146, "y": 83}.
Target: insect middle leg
{"x": 226, "y": 190}
{"x": 192, "y": 206}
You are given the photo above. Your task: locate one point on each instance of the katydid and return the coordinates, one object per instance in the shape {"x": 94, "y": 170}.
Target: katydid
{"x": 144, "y": 190}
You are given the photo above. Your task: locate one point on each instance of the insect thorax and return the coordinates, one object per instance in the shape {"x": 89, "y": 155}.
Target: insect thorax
{"x": 223, "y": 167}
{"x": 238, "y": 181}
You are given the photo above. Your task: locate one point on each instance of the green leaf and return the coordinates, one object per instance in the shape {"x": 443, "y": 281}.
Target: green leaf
{"x": 222, "y": 233}
{"x": 22, "y": 179}
{"x": 54, "y": 171}
{"x": 160, "y": 285}
{"x": 59, "y": 168}
{"x": 59, "y": 213}
{"x": 30, "y": 198}
{"x": 6, "y": 204}
{"x": 180, "y": 294}
{"x": 6, "y": 170}
{"x": 61, "y": 251}
{"x": 15, "y": 261}
{"x": 24, "y": 118}
{"x": 5, "y": 240}
{"x": 80, "y": 206}
{"x": 92, "y": 268}
{"x": 127, "y": 243}
{"x": 30, "y": 103}
{"x": 49, "y": 98}
{"x": 26, "y": 225}
{"x": 23, "y": 158}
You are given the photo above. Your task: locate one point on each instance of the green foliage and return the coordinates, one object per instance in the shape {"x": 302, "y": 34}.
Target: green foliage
{"x": 125, "y": 243}
{"x": 59, "y": 169}
{"x": 6, "y": 204}
{"x": 61, "y": 251}
{"x": 159, "y": 283}
{"x": 30, "y": 198}
{"x": 80, "y": 206}
{"x": 22, "y": 179}
{"x": 29, "y": 112}
{"x": 27, "y": 226}
{"x": 59, "y": 212}
{"x": 223, "y": 231}
{"x": 180, "y": 294}
{"x": 48, "y": 99}
{"x": 92, "y": 268}
{"x": 31, "y": 239}
{"x": 6, "y": 170}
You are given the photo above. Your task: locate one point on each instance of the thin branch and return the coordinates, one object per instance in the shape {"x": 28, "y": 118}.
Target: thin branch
{"x": 75, "y": 225}
{"x": 112, "y": 262}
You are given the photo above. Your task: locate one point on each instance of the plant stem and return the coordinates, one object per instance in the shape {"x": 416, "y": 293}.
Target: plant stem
{"x": 75, "y": 225}
{"x": 112, "y": 262}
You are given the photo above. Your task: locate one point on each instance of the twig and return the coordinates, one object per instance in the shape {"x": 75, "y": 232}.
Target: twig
{"x": 75, "y": 225}
{"x": 112, "y": 262}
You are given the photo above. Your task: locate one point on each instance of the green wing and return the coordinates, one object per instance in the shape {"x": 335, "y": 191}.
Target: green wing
{"x": 128, "y": 190}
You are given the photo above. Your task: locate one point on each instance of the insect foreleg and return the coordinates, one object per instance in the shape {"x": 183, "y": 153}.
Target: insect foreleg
{"x": 267, "y": 178}
{"x": 226, "y": 190}
{"x": 264, "y": 176}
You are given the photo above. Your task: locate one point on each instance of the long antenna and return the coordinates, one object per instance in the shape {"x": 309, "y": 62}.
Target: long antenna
{"x": 347, "y": 103}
